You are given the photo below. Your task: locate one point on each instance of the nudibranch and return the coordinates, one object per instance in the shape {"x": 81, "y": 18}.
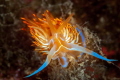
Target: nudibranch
{"x": 58, "y": 39}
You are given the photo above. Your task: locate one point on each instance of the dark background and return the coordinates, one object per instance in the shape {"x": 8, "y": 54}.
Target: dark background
{"x": 102, "y": 17}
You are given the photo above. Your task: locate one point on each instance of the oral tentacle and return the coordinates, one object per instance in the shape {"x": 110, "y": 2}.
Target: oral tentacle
{"x": 48, "y": 59}
{"x": 101, "y": 57}
{"x": 42, "y": 67}
{"x": 87, "y": 51}
{"x": 83, "y": 39}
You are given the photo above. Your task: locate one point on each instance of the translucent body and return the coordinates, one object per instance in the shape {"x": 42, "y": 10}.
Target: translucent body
{"x": 58, "y": 38}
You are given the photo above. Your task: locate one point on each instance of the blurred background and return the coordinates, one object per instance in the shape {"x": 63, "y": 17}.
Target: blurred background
{"x": 18, "y": 58}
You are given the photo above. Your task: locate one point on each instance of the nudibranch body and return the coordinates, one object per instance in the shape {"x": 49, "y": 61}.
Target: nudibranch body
{"x": 58, "y": 39}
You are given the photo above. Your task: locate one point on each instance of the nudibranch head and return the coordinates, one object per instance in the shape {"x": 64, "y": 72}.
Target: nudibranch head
{"x": 50, "y": 31}
{"x": 58, "y": 39}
